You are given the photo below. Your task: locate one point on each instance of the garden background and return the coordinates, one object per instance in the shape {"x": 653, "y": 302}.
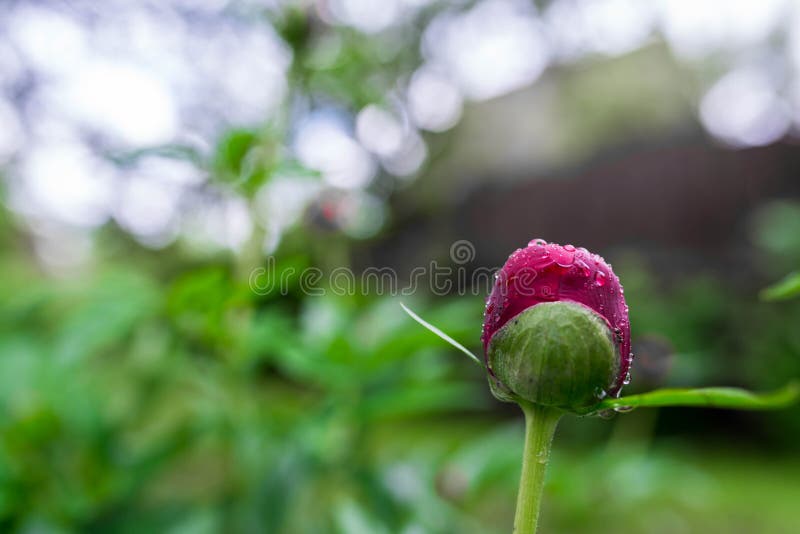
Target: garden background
{"x": 154, "y": 155}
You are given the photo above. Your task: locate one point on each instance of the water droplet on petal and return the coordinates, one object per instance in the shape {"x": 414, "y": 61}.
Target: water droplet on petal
{"x": 584, "y": 269}
{"x": 537, "y": 241}
{"x": 561, "y": 256}
{"x": 599, "y": 278}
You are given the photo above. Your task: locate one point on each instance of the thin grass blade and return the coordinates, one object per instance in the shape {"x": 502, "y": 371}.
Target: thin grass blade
{"x": 441, "y": 334}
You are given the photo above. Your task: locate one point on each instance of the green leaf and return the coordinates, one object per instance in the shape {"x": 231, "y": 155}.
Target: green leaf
{"x": 719, "y": 397}
{"x": 415, "y": 400}
{"x": 785, "y": 289}
{"x": 233, "y": 149}
{"x": 441, "y": 334}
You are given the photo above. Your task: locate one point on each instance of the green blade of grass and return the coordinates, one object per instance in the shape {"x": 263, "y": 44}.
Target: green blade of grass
{"x": 441, "y": 334}
{"x": 717, "y": 397}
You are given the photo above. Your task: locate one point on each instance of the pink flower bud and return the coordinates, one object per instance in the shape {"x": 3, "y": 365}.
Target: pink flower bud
{"x": 546, "y": 272}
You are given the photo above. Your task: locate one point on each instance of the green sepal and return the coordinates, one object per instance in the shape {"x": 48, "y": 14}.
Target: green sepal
{"x": 559, "y": 354}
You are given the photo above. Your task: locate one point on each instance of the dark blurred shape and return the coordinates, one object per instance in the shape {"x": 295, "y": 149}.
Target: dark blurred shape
{"x": 652, "y": 362}
{"x": 685, "y": 195}
{"x": 684, "y": 204}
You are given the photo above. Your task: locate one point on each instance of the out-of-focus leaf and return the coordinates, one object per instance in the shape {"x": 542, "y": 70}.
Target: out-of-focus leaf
{"x": 232, "y": 149}
{"x": 274, "y": 338}
{"x": 106, "y": 313}
{"x": 423, "y": 399}
{"x": 293, "y": 25}
{"x": 245, "y": 158}
{"x": 197, "y": 302}
{"x": 784, "y": 289}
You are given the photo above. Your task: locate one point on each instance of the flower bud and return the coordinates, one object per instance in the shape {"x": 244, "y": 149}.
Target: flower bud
{"x": 556, "y": 329}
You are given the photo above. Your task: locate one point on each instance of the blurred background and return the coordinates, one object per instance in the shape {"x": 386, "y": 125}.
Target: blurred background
{"x": 154, "y": 153}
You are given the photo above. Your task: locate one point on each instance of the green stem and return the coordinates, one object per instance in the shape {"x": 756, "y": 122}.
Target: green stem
{"x": 540, "y": 425}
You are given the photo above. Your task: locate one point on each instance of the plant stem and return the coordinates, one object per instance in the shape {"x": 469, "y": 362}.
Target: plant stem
{"x": 540, "y": 425}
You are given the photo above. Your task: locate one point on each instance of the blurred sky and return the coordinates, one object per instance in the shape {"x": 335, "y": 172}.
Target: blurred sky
{"x": 84, "y": 83}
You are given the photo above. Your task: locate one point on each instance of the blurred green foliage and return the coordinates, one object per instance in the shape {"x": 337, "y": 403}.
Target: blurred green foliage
{"x": 143, "y": 397}
{"x": 131, "y": 400}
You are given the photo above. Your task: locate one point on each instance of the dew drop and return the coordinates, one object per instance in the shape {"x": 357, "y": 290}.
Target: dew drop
{"x": 627, "y": 379}
{"x": 584, "y": 269}
{"x": 599, "y": 278}
{"x": 569, "y": 248}
{"x": 537, "y": 242}
{"x": 600, "y": 393}
{"x": 623, "y": 409}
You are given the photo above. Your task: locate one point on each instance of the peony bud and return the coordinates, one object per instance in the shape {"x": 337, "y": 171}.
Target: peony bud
{"x": 556, "y": 329}
{"x": 556, "y": 337}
